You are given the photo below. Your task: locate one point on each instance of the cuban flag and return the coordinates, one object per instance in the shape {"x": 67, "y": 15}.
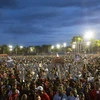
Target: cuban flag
{"x": 10, "y": 63}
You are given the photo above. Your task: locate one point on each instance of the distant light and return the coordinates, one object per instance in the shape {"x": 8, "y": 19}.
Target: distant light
{"x": 21, "y": 47}
{"x": 74, "y": 42}
{"x": 31, "y": 49}
{"x": 73, "y": 46}
{"x": 88, "y": 35}
{"x": 88, "y": 43}
{"x": 58, "y": 46}
{"x": 64, "y": 44}
{"x": 52, "y": 47}
{"x": 10, "y": 46}
{"x": 11, "y": 49}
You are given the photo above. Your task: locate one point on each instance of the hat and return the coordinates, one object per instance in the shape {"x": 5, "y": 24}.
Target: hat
{"x": 39, "y": 88}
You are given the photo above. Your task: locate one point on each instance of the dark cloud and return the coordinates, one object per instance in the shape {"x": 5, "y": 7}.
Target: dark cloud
{"x": 51, "y": 19}
{"x": 58, "y": 3}
{"x": 23, "y": 29}
{"x": 73, "y": 3}
{"x": 30, "y": 29}
{"x": 7, "y": 3}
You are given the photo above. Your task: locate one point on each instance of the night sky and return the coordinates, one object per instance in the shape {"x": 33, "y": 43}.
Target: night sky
{"x": 38, "y": 22}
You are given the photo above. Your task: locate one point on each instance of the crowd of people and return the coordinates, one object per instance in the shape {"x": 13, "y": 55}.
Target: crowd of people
{"x": 66, "y": 77}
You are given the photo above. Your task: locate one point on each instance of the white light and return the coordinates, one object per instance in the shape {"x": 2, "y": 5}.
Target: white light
{"x": 74, "y": 42}
{"x": 10, "y": 46}
{"x": 88, "y": 35}
{"x": 64, "y": 44}
{"x": 88, "y": 43}
{"x": 73, "y": 46}
{"x": 21, "y": 47}
{"x": 52, "y": 47}
{"x": 58, "y": 46}
{"x": 10, "y": 49}
{"x": 31, "y": 49}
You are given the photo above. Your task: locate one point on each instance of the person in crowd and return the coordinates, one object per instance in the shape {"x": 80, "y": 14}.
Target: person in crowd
{"x": 79, "y": 80}
{"x": 43, "y": 95}
{"x": 60, "y": 95}
{"x": 24, "y": 97}
{"x": 71, "y": 96}
{"x": 38, "y": 97}
{"x": 81, "y": 96}
{"x": 14, "y": 95}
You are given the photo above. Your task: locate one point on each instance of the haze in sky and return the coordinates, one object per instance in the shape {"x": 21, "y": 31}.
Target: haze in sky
{"x": 37, "y": 22}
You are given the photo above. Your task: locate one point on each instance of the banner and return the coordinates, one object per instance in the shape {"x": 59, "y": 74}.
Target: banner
{"x": 10, "y": 63}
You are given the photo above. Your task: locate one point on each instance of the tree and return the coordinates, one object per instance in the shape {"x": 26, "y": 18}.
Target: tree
{"x": 96, "y": 45}
{"x": 69, "y": 49}
{"x": 78, "y": 42}
{"x": 25, "y": 50}
{"x": 16, "y": 49}
{"x": 5, "y": 49}
{"x": 38, "y": 49}
{"x": 1, "y": 50}
{"x": 77, "y": 39}
{"x": 45, "y": 48}
{"x": 31, "y": 50}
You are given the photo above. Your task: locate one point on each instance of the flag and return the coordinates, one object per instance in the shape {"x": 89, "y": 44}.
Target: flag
{"x": 10, "y": 63}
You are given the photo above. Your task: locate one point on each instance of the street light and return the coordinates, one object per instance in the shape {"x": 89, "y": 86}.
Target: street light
{"x": 10, "y": 46}
{"x": 11, "y": 49}
{"x": 21, "y": 47}
{"x": 31, "y": 49}
{"x": 52, "y": 47}
{"x": 58, "y": 46}
{"x": 88, "y": 35}
{"x": 64, "y": 44}
{"x": 88, "y": 43}
{"x": 73, "y": 46}
{"x": 74, "y": 43}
